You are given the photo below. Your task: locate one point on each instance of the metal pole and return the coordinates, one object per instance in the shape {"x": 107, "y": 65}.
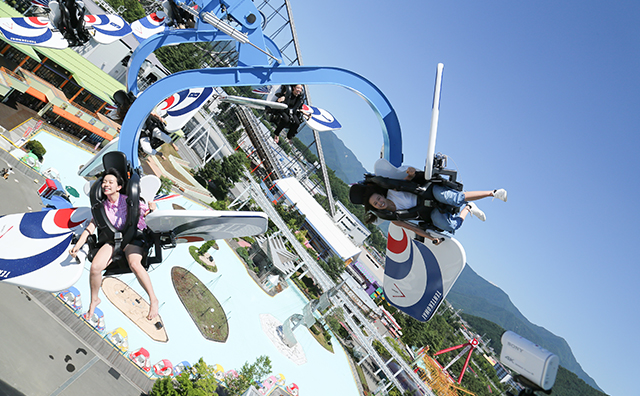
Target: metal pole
{"x": 435, "y": 114}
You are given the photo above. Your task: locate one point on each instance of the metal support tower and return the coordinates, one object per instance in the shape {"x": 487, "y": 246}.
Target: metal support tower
{"x": 280, "y": 28}
{"x": 257, "y": 140}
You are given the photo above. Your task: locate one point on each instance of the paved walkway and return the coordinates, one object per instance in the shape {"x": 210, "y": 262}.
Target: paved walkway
{"x": 44, "y": 355}
{"x": 45, "y": 348}
{"x": 19, "y": 192}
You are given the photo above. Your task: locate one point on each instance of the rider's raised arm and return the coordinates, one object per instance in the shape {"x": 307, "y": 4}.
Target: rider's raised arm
{"x": 419, "y": 231}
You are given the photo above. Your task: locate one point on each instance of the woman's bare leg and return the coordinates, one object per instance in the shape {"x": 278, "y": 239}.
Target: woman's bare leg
{"x": 99, "y": 263}
{"x": 464, "y": 212}
{"x": 476, "y": 195}
{"x": 134, "y": 258}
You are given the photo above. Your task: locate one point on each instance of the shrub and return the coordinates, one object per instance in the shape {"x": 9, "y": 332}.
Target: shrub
{"x": 36, "y": 148}
{"x": 208, "y": 245}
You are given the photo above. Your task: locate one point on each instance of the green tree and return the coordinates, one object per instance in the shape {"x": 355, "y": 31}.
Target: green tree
{"x": 290, "y": 216}
{"x": 220, "y": 205}
{"x": 199, "y": 380}
{"x": 308, "y": 155}
{"x": 36, "y": 148}
{"x": 377, "y": 239}
{"x": 180, "y": 57}
{"x": 285, "y": 146}
{"x": 249, "y": 374}
{"x": 244, "y": 253}
{"x": 133, "y": 10}
{"x": 204, "y": 377}
{"x": 333, "y": 320}
{"x": 164, "y": 387}
{"x": 220, "y": 176}
{"x": 301, "y": 236}
{"x": 206, "y": 246}
{"x": 233, "y": 166}
{"x": 333, "y": 266}
{"x": 165, "y": 185}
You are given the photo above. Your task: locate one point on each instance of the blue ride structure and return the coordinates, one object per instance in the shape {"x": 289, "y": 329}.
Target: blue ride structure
{"x": 258, "y": 64}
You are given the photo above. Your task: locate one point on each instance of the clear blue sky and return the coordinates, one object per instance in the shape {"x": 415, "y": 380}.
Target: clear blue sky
{"x": 541, "y": 98}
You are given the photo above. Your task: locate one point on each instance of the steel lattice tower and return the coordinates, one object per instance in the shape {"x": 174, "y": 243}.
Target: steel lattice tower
{"x": 279, "y": 26}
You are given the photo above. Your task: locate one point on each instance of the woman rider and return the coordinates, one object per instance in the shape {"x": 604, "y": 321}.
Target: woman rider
{"x": 116, "y": 209}
{"x": 382, "y": 199}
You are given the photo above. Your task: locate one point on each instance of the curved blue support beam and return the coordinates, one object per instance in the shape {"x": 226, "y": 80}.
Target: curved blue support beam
{"x": 179, "y": 36}
{"x": 248, "y": 76}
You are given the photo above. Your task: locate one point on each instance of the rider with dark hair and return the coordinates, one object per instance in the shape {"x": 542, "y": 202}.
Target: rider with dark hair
{"x": 446, "y": 210}
{"x": 289, "y": 118}
{"x": 115, "y": 206}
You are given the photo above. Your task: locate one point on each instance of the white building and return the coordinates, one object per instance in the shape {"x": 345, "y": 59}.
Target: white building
{"x": 350, "y": 224}
{"x": 323, "y": 233}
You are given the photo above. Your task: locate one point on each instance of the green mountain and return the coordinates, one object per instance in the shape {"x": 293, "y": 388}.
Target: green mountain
{"x": 475, "y": 296}
{"x": 338, "y": 157}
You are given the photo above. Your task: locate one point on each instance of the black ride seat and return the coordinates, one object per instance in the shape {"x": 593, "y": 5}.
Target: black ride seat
{"x": 107, "y": 233}
{"x": 418, "y": 186}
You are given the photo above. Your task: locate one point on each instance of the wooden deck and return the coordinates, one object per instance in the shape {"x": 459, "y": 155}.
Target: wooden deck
{"x": 103, "y": 348}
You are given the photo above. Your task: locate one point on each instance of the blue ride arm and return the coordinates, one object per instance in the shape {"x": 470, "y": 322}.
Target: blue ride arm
{"x": 252, "y": 76}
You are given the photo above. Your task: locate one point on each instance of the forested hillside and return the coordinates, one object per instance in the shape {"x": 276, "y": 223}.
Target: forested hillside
{"x": 475, "y": 296}
{"x": 567, "y": 383}
{"x": 338, "y": 156}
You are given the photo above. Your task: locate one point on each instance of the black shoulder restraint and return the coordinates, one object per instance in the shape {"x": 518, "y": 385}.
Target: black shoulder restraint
{"x": 106, "y": 231}
{"x": 71, "y": 23}
{"x": 426, "y": 202}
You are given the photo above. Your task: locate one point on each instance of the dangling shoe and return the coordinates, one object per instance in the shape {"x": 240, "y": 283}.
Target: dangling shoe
{"x": 475, "y": 211}
{"x": 501, "y": 194}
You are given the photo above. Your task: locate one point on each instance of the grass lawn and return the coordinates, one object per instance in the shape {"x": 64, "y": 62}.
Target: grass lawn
{"x": 168, "y": 166}
{"x": 167, "y": 149}
{"x": 194, "y": 253}
{"x": 363, "y": 380}
{"x": 401, "y": 351}
{"x": 199, "y": 302}
{"x": 320, "y": 338}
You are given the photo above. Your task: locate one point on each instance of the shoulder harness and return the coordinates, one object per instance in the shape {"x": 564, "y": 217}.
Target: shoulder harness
{"x": 106, "y": 231}
{"x": 423, "y": 189}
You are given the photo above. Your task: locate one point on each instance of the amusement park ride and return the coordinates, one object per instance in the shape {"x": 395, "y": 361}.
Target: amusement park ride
{"x": 469, "y": 346}
{"x": 417, "y": 276}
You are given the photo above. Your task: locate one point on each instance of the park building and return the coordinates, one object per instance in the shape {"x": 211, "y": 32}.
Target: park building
{"x": 359, "y": 296}
{"x": 323, "y": 233}
{"x": 350, "y": 224}
{"x": 72, "y": 89}
{"x": 57, "y": 86}
{"x": 270, "y": 253}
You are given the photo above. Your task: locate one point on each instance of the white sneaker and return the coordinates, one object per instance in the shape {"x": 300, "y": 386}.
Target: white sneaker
{"x": 475, "y": 211}
{"x": 501, "y": 194}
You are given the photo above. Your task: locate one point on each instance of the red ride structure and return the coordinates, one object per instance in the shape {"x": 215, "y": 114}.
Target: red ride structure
{"x": 470, "y": 346}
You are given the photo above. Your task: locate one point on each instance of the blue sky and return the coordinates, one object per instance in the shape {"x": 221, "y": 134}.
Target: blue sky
{"x": 540, "y": 98}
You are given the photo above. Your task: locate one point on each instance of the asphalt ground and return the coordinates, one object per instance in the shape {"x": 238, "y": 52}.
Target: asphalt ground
{"x": 19, "y": 192}
{"x": 39, "y": 355}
